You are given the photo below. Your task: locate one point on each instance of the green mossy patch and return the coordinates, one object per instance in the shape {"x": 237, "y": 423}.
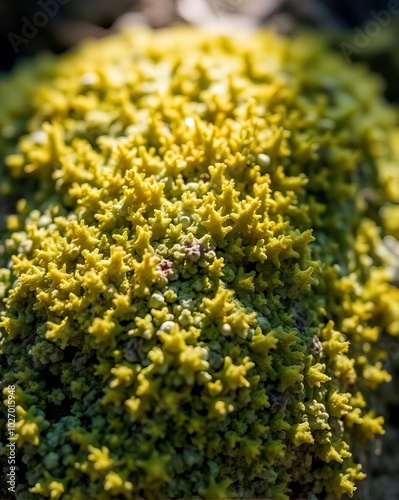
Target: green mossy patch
{"x": 194, "y": 283}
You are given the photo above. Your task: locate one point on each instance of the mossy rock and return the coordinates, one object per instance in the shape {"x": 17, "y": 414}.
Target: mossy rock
{"x": 195, "y": 281}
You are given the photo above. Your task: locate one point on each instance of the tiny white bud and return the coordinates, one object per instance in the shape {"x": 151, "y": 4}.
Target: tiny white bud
{"x": 167, "y": 326}
{"x": 88, "y": 79}
{"x": 184, "y": 220}
{"x": 226, "y": 329}
{"x": 39, "y": 137}
{"x": 156, "y": 300}
{"x": 189, "y": 122}
{"x": 264, "y": 160}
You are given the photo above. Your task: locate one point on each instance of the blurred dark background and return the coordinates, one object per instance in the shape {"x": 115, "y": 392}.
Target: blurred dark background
{"x": 69, "y": 21}
{"x": 31, "y": 26}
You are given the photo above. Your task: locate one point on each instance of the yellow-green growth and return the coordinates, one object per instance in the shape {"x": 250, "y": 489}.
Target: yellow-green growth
{"x": 194, "y": 286}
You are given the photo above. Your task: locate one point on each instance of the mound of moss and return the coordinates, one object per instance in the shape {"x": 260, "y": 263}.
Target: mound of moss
{"x": 194, "y": 284}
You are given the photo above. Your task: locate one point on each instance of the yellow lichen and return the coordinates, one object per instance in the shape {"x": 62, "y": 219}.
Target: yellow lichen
{"x": 194, "y": 284}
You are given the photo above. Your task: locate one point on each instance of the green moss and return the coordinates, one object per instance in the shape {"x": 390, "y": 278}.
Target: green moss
{"x": 196, "y": 289}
